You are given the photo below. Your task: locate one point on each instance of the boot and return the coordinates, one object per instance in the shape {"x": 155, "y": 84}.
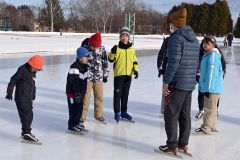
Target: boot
{"x": 165, "y": 148}
{"x": 117, "y": 116}
{"x": 126, "y": 116}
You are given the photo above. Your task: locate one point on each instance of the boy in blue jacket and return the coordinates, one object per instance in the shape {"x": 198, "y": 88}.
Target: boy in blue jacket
{"x": 211, "y": 84}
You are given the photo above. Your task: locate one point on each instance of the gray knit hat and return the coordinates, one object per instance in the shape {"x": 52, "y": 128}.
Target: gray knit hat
{"x": 125, "y": 30}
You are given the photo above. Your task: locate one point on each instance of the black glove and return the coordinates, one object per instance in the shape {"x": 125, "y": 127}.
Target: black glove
{"x": 78, "y": 98}
{"x": 160, "y": 72}
{"x": 207, "y": 94}
{"x": 136, "y": 74}
{"x": 114, "y": 49}
{"x": 9, "y": 96}
{"x": 104, "y": 79}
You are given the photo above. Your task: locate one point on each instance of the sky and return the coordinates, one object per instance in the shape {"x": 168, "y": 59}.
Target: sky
{"x": 161, "y": 5}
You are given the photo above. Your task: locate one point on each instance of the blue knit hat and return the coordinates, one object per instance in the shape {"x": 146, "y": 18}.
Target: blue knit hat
{"x": 82, "y": 52}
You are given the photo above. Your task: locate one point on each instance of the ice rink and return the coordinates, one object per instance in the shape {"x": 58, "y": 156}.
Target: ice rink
{"x": 124, "y": 141}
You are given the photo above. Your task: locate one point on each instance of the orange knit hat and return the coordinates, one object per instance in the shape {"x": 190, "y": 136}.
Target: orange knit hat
{"x": 179, "y": 18}
{"x": 36, "y": 62}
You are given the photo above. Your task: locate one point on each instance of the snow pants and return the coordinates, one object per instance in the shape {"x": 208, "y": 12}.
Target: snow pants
{"x": 75, "y": 112}
{"x": 121, "y": 91}
{"x": 25, "y": 112}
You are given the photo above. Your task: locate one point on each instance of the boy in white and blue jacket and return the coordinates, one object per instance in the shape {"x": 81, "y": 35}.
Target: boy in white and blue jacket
{"x": 211, "y": 84}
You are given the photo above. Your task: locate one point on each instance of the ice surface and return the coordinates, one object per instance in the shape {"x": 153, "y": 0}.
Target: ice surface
{"x": 125, "y": 141}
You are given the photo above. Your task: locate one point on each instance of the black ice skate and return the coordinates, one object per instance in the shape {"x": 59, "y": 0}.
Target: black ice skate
{"x": 167, "y": 151}
{"x": 75, "y": 130}
{"x": 81, "y": 127}
{"x": 30, "y": 139}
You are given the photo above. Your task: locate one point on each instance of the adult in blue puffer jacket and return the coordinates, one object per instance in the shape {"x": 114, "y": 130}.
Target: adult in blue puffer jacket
{"x": 179, "y": 82}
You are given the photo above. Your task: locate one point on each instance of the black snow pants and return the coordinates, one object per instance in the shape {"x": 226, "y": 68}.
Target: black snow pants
{"x": 121, "y": 91}
{"x": 75, "y": 111}
{"x": 25, "y": 111}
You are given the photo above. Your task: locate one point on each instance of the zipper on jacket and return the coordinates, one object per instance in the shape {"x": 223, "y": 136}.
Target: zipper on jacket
{"x": 126, "y": 61}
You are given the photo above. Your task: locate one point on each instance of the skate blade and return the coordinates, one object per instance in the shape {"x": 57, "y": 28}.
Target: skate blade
{"x": 161, "y": 115}
{"x": 168, "y": 154}
{"x": 125, "y": 120}
{"x": 197, "y": 119}
{"x": 75, "y": 133}
{"x": 31, "y": 142}
{"x": 201, "y": 134}
{"x": 102, "y": 122}
{"x": 186, "y": 154}
{"x": 85, "y": 130}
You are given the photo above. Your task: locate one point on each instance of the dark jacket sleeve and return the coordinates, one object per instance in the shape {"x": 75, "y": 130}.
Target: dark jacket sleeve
{"x": 174, "y": 57}
{"x": 34, "y": 91}
{"x": 201, "y": 53}
{"x": 104, "y": 62}
{"x": 17, "y": 76}
{"x": 223, "y": 64}
{"x": 162, "y": 54}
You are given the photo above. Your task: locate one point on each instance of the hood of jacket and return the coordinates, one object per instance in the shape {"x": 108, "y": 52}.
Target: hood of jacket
{"x": 187, "y": 32}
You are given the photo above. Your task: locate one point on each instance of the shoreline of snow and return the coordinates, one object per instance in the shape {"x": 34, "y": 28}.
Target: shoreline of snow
{"x": 51, "y": 43}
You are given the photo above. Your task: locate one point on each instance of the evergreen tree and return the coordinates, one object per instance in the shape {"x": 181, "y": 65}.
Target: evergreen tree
{"x": 52, "y": 15}
{"x": 236, "y": 31}
{"x": 230, "y": 24}
{"x": 223, "y": 13}
{"x": 213, "y": 20}
{"x": 26, "y": 22}
{"x": 205, "y": 18}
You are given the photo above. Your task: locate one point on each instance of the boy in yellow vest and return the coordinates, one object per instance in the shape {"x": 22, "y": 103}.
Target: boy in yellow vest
{"x": 125, "y": 64}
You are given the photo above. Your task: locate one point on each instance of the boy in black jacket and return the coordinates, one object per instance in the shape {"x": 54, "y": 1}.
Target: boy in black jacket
{"x": 161, "y": 65}
{"x": 25, "y": 93}
{"x": 76, "y": 89}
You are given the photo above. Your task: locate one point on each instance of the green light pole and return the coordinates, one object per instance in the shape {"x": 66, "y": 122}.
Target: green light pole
{"x": 130, "y": 23}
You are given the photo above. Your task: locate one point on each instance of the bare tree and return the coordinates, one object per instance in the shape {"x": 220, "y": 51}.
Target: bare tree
{"x": 109, "y": 15}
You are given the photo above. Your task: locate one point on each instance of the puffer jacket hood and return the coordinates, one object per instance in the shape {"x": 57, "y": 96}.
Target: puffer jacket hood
{"x": 187, "y": 32}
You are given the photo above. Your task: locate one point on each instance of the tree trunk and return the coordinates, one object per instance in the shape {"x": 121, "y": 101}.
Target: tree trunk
{"x": 51, "y": 5}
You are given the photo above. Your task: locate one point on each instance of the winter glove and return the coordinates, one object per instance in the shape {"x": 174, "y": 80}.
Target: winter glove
{"x": 114, "y": 49}
{"x": 160, "y": 72}
{"x": 9, "y": 96}
{"x": 104, "y": 79}
{"x": 207, "y": 94}
{"x": 78, "y": 98}
{"x": 136, "y": 74}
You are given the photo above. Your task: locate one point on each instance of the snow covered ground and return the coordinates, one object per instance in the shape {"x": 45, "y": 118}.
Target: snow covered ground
{"x": 53, "y": 44}
{"x": 27, "y": 43}
{"x": 107, "y": 142}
